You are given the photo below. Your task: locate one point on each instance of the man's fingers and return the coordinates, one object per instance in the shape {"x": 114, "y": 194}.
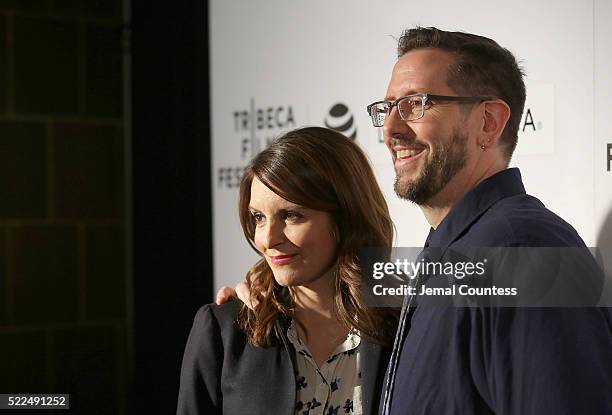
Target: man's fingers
{"x": 244, "y": 294}
{"x": 224, "y": 294}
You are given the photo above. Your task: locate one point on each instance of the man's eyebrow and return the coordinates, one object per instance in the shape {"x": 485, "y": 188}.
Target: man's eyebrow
{"x": 407, "y": 93}
{"x": 392, "y": 99}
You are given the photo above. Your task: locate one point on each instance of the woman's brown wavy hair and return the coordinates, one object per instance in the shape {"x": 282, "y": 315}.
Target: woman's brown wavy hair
{"x": 323, "y": 170}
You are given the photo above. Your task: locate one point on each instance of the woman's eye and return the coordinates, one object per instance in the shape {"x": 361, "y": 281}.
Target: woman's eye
{"x": 258, "y": 218}
{"x": 293, "y": 216}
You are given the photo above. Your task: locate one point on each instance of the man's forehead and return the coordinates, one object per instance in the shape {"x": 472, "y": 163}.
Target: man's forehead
{"x": 420, "y": 70}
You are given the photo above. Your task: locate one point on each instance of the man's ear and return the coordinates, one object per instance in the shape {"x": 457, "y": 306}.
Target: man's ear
{"x": 495, "y": 116}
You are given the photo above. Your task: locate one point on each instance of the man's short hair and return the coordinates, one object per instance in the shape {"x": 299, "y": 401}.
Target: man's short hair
{"x": 482, "y": 67}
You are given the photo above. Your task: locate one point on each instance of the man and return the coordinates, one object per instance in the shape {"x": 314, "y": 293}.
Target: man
{"x": 450, "y": 119}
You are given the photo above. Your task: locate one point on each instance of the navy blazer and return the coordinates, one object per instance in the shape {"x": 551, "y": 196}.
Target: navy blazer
{"x": 223, "y": 374}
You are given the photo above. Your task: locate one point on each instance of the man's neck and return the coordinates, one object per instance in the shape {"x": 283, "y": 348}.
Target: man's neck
{"x": 440, "y": 205}
{"x": 435, "y": 215}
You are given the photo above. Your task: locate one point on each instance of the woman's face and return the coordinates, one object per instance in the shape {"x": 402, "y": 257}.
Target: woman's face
{"x": 298, "y": 243}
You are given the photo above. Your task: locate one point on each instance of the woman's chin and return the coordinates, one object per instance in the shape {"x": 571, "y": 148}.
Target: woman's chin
{"x": 284, "y": 281}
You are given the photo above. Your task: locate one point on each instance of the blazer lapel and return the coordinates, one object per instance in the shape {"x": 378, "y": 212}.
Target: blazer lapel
{"x": 374, "y": 360}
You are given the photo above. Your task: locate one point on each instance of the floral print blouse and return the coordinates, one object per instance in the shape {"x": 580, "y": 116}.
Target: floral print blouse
{"x": 335, "y": 387}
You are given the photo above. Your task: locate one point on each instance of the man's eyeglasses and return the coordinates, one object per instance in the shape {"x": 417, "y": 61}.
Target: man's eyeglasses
{"x": 412, "y": 107}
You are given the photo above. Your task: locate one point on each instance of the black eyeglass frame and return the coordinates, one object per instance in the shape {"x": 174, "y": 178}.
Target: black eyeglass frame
{"x": 424, "y": 98}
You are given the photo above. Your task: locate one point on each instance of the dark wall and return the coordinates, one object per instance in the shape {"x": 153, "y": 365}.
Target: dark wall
{"x": 63, "y": 308}
{"x": 171, "y": 182}
{"x": 105, "y": 248}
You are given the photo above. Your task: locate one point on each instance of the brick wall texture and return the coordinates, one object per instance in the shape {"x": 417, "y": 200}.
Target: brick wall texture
{"x": 63, "y": 324}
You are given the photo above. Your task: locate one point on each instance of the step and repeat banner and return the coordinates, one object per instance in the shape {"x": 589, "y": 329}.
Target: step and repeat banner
{"x": 278, "y": 65}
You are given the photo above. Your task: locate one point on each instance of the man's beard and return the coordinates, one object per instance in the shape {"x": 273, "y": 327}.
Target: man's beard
{"x": 438, "y": 171}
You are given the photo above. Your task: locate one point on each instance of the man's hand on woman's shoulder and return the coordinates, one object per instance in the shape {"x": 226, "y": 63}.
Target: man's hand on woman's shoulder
{"x": 241, "y": 292}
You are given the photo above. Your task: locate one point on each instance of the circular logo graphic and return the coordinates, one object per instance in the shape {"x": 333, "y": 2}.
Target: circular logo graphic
{"x": 340, "y": 118}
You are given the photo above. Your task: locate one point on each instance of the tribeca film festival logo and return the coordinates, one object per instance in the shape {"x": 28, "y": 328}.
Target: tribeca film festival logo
{"x": 340, "y": 118}
{"x": 254, "y": 129}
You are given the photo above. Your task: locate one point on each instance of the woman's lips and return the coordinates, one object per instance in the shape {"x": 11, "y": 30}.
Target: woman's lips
{"x": 282, "y": 259}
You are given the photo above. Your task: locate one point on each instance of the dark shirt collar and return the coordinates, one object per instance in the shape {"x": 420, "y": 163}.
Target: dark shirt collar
{"x": 473, "y": 204}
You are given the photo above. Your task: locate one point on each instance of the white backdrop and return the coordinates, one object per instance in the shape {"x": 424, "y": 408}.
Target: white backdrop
{"x": 278, "y": 65}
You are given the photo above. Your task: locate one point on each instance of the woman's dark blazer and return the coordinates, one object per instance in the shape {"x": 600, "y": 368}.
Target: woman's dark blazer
{"x": 223, "y": 374}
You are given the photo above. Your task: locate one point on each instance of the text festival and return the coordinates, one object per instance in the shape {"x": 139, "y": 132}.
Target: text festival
{"x": 255, "y": 128}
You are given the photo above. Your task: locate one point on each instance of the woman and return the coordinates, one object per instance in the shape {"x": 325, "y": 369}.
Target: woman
{"x": 308, "y": 204}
